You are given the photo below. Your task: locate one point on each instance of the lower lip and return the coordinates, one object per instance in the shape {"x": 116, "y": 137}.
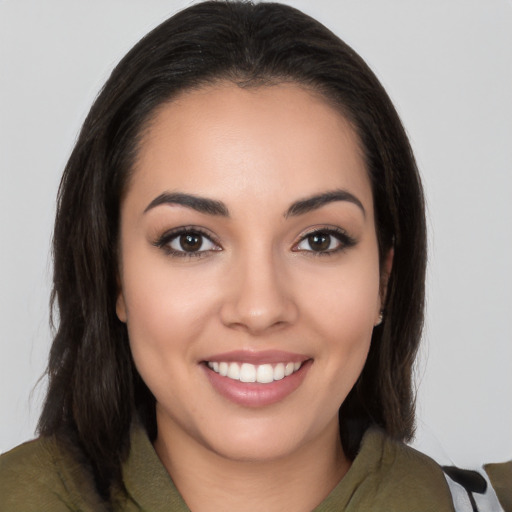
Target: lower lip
{"x": 254, "y": 394}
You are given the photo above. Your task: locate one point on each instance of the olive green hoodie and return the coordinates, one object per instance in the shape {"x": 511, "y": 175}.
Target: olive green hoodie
{"x": 385, "y": 476}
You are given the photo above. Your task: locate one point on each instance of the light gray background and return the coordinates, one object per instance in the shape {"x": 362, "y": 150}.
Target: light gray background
{"x": 447, "y": 64}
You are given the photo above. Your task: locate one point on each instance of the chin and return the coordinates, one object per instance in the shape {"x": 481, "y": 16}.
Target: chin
{"x": 261, "y": 440}
{"x": 255, "y": 450}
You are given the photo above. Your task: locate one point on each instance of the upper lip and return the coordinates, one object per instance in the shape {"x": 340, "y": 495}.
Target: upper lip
{"x": 258, "y": 357}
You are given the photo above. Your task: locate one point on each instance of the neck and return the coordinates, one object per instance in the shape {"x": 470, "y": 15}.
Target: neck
{"x": 208, "y": 481}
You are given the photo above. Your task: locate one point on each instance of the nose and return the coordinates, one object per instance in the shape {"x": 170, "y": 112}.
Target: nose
{"x": 258, "y": 296}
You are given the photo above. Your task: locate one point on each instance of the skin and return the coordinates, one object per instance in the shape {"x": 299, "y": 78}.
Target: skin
{"x": 258, "y": 285}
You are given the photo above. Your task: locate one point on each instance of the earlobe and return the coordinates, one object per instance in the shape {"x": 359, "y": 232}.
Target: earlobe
{"x": 387, "y": 266}
{"x": 121, "y": 307}
{"x": 385, "y": 272}
{"x": 120, "y": 302}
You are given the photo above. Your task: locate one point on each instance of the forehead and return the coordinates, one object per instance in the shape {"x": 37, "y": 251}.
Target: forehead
{"x": 234, "y": 143}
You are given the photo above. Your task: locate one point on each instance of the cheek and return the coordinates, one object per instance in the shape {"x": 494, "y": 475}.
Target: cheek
{"x": 341, "y": 310}
{"x": 166, "y": 315}
{"x": 166, "y": 308}
{"x": 347, "y": 299}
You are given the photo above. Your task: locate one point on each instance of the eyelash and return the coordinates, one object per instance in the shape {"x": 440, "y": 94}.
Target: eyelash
{"x": 164, "y": 242}
{"x": 344, "y": 239}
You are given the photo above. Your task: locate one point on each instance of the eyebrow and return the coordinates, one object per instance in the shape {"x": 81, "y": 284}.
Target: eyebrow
{"x": 213, "y": 207}
{"x": 315, "y": 202}
{"x": 200, "y": 204}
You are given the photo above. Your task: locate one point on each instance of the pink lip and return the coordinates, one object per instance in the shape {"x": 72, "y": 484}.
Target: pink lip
{"x": 258, "y": 357}
{"x": 254, "y": 394}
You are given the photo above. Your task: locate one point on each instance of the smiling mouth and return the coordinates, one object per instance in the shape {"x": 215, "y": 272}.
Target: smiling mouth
{"x": 260, "y": 373}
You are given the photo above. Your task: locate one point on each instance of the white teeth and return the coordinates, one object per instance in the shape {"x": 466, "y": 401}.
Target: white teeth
{"x": 265, "y": 373}
{"x": 223, "y": 369}
{"x": 279, "y": 371}
{"x": 246, "y": 372}
{"x": 233, "y": 371}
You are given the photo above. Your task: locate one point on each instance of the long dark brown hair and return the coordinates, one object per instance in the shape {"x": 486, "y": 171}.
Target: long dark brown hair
{"x": 94, "y": 389}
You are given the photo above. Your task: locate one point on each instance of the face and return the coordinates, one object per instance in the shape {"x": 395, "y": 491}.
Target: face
{"x": 249, "y": 268}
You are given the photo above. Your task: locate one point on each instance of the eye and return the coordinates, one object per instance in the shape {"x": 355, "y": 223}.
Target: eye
{"x": 187, "y": 242}
{"x": 325, "y": 241}
{"x": 191, "y": 242}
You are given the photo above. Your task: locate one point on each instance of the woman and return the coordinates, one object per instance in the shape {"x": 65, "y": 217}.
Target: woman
{"x": 239, "y": 274}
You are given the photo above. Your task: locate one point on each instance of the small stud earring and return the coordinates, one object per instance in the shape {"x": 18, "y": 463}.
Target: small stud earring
{"x": 379, "y": 319}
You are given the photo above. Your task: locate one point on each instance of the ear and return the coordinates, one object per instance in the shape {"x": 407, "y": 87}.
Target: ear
{"x": 121, "y": 307}
{"x": 120, "y": 302}
{"x": 384, "y": 275}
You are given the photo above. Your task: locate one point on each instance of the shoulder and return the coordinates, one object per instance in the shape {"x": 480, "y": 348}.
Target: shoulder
{"x": 29, "y": 478}
{"x": 404, "y": 461}
{"x": 40, "y": 476}
{"x": 405, "y": 477}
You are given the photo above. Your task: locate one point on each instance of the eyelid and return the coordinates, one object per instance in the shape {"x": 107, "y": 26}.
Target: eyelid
{"x": 345, "y": 240}
{"x": 163, "y": 241}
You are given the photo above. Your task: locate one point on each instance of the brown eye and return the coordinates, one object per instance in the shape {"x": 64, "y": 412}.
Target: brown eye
{"x": 190, "y": 242}
{"x": 319, "y": 241}
{"x": 325, "y": 241}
